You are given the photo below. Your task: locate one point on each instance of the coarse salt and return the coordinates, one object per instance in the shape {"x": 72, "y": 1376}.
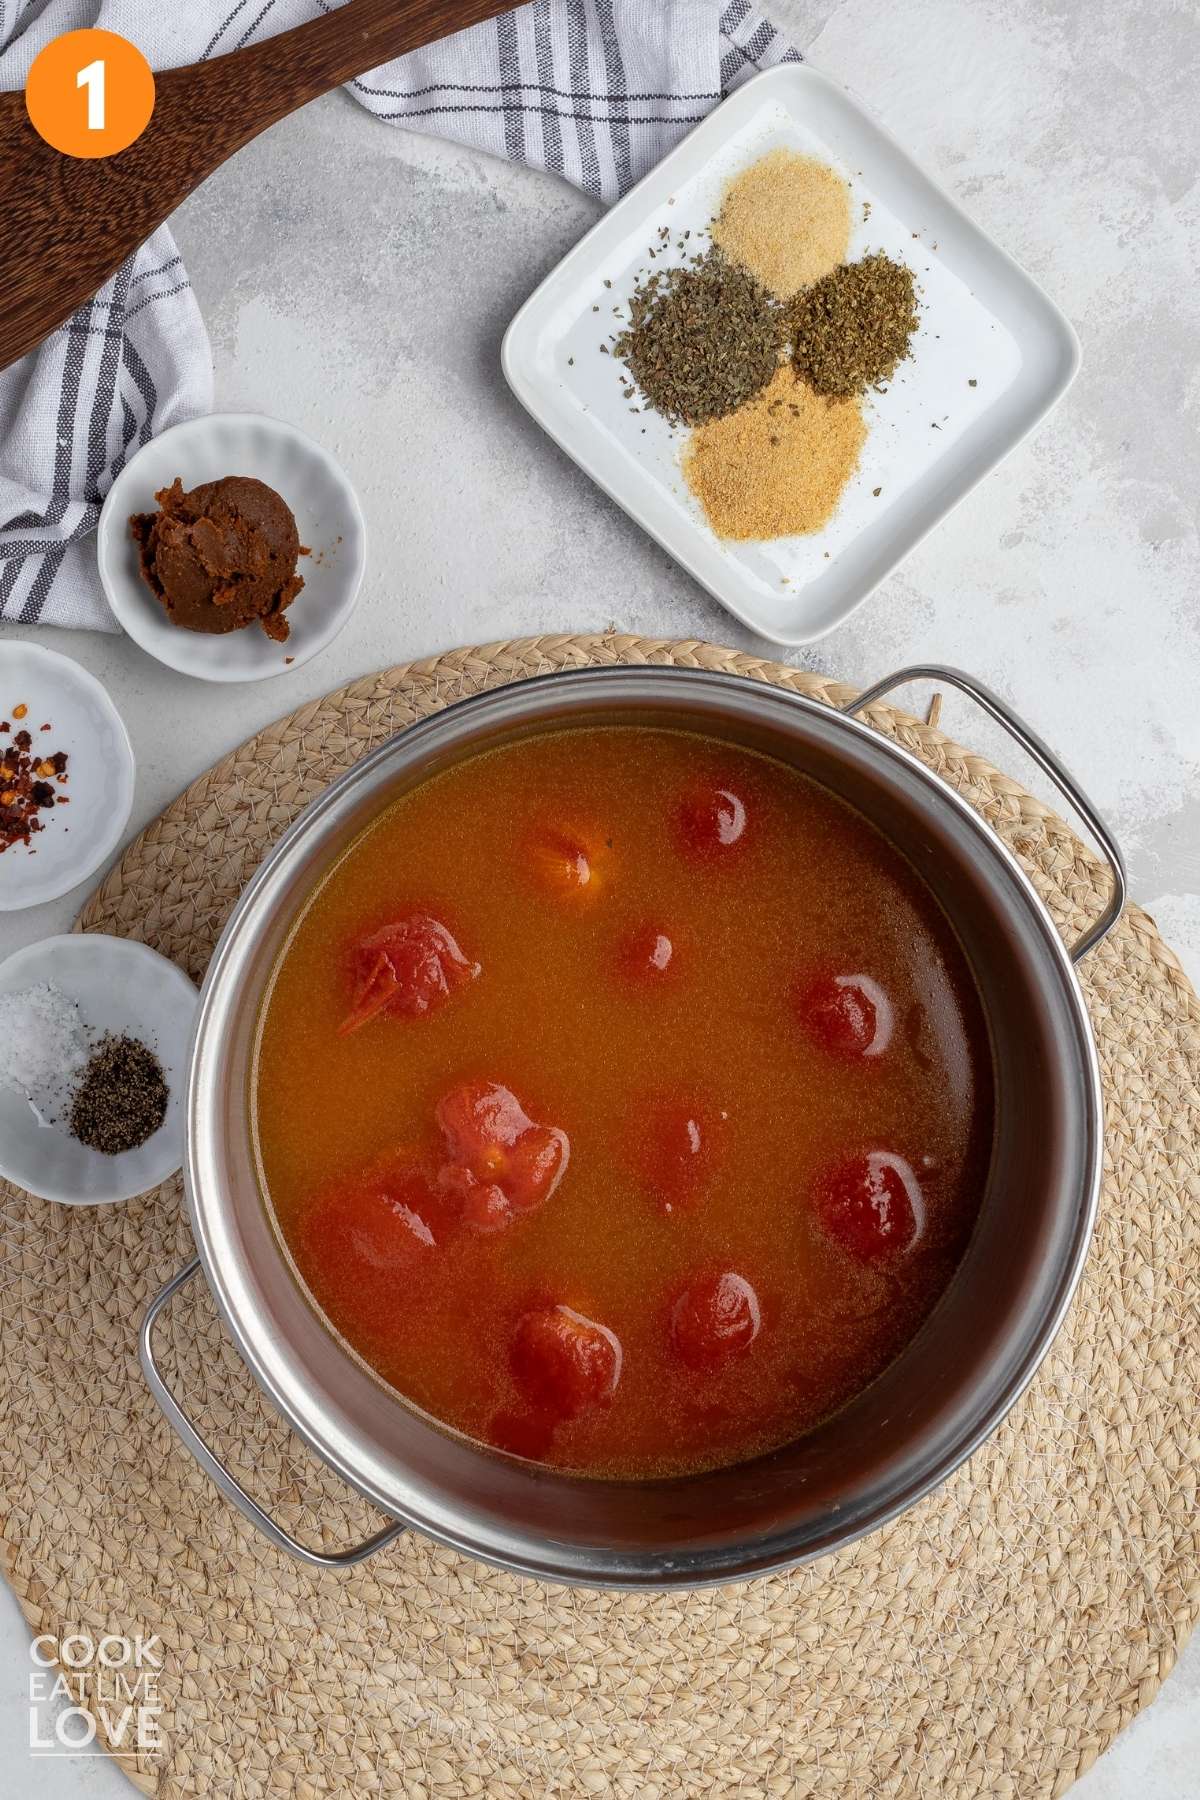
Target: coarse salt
{"x": 46, "y": 1045}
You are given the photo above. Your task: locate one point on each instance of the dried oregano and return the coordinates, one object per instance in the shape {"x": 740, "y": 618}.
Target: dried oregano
{"x": 852, "y": 328}
{"x": 701, "y": 339}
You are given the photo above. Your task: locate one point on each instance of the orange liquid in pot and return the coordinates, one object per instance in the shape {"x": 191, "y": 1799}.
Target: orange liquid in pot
{"x": 624, "y": 1100}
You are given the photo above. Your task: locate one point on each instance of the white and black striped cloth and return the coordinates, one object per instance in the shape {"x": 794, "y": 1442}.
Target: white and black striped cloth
{"x": 592, "y": 90}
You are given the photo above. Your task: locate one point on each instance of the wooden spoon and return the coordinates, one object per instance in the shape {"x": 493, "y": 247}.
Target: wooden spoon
{"x": 67, "y": 223}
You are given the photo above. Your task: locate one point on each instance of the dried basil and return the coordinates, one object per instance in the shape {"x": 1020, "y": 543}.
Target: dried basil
{"x": 702, "y": 339}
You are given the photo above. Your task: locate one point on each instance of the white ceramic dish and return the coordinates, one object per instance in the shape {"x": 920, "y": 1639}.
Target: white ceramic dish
{"x": 932, "y": 435}
{"x": 119, "y": 986}
{"x": 328, "y": 517}
{"x": 77, "y": 837}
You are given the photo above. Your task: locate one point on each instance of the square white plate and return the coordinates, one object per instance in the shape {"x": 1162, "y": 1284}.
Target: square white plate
{"x": 932, "y": 435}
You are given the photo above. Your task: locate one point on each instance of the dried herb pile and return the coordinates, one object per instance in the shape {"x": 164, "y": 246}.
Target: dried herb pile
{"x": 701, "y": 339}
{"x": 852, "y": 329}
{"x": 765, "y": 344}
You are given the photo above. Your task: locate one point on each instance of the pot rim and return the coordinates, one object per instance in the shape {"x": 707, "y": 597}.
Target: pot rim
{"x": 641, "y": 1570}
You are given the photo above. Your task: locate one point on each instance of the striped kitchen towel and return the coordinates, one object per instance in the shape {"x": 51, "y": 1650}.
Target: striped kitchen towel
{"x": 592, "y": 90}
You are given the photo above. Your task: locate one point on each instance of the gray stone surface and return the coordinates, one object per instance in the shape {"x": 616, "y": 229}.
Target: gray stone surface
{"x": 357, "y": 280}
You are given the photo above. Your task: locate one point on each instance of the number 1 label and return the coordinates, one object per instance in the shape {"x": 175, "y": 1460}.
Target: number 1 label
{"x": 110, "y": 71}
{"x": 92, "y": 78}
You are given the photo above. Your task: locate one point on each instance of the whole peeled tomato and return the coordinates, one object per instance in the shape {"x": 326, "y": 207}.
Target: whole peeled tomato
{"x": 715, "y": 1318}
{"x": 677, "y": 1149}
{"x": 566, "y": 860}
{"x": 710, "y": 820}
{"x": 411, "y": 967}
{"x": 846, "y": 1015}
{"x": 564, "y": 1363}
{"x": 382, "y": 1224}
{"x": 646, "y": 954}
{"x": 871, "y": 1205}
{"x": 499, "y": 1164}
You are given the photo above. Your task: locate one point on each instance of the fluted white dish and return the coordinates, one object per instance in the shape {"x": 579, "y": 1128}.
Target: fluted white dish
{"x": 122, "y": 987}
{"x": 328, "y": 518}
{"x": 77, "y": 838}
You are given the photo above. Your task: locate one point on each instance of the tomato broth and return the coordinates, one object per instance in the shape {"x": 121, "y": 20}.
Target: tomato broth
{"x": 624, "y": 1099}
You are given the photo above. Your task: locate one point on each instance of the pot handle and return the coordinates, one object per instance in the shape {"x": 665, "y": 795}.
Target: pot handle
{"x": 215, "y": 1468}
{"x": 1045, "y": 759}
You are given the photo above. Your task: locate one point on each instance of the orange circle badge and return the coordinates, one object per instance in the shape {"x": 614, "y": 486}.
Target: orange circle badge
{"x": 90, "y": 93}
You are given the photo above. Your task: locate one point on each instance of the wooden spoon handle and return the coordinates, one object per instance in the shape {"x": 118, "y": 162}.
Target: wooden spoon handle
{"x": 281, "y": 73}
{"x": 67, "y": 224}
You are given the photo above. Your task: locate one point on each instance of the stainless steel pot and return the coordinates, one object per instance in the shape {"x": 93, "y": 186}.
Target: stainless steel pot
{"x": 917, "y": 1422}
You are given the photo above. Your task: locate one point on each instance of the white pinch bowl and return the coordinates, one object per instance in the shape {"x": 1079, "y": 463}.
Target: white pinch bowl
{"x": 328, "y": 518}
{"x": 123, "y": 987}
{"x": 75, "y": 839}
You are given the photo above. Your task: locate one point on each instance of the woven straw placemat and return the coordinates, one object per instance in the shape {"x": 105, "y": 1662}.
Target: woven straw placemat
{"x": 989, "y": 1643}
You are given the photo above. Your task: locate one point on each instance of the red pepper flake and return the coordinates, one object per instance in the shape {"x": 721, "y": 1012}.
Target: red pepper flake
{"x": 26, "y": 784}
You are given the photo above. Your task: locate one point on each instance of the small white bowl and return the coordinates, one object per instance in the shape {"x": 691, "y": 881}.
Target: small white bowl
{"x": 128, "y": 989}
{"x": 328, "y": 518}
{"x": 76, "y": 838}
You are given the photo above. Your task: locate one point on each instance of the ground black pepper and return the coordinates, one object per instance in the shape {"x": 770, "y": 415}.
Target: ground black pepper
{"x": 122, "y": 1096}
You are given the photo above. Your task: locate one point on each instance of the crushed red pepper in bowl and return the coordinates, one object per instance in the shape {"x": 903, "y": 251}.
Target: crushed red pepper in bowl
{"x": 29, "y": 783}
